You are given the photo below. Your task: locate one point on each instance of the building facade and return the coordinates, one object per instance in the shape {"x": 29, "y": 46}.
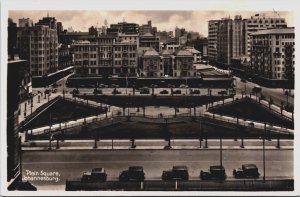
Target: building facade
{"x": 151, "y": 66}
{"x": 25, "y": 22}
{"x": 261, "y": 22}
{"x": 231, "y": 39}
{"x": 18, "y": 87}
{"x": 183, "y": 64}
{"x": 109, "y": 55}
{"x": 39, "y": 45}
{"x": 149, "y": 40}
{"x": 273, "y": 53}
{"x": 212, "y": 40}
{"x": 147, "y": 28}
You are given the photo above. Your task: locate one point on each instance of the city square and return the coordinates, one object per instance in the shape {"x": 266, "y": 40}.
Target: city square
{"x": 112, "y": 107}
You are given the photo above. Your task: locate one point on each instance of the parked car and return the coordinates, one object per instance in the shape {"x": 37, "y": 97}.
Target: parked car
{"x": 114, "y": 86}
{"x": 145, "y": 91}
{"x": 195, "y": 92}
{"x": 97, "y": 91}
{"x": 214, "y": 173}
{"x": 86, "y": 177}
{"x": 164, "y": 92}
{"x": 134, "y": 173}
{"x": 177, "y": 92}
{"x": 98, "y": 174}
{"x": 176, "y": 173}
{"x": 247, "y": 171}
{"x": 115, "y": 91}
{"x": 75, "y": 91}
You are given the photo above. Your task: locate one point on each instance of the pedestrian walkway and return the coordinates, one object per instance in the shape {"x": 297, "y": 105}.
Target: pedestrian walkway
{"x": 176, "y": 144}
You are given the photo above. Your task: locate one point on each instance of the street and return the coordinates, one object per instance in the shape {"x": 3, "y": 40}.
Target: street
{"x": 277, "y": 94}
{"x": 71, "y": 164}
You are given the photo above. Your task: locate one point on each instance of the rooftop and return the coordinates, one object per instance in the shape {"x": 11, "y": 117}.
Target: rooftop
{"x": 289, "y": 30}
{"x": 183, "y": 53}
{"x": 151, "y": 52}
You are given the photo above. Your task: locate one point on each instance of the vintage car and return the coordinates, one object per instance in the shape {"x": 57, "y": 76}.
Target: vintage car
{"x": 214, "y": 173}
{"x": 134, "y": 173}
{"x": 176, "y": 173}
{"x": 164, "y": 92}
{"x": 246, "y": 171}
{"x": 98, "y": 174}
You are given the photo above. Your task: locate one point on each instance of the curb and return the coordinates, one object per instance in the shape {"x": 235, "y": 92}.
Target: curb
{"x": 108, "y": 148}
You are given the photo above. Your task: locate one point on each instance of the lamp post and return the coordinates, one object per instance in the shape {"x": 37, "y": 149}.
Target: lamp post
{"x": 221, "y": 161}
{"x": 264, "y": 157}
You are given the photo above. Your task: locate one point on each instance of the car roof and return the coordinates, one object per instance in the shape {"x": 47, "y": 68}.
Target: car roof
{"x": 136, "y": 168}
{"x": 98, "y": 170}
{"x": 179, "y": 168}
{"x": 217, "y": 167}
{"x": 249, "y": 166}
{"x": 87, "y": 173}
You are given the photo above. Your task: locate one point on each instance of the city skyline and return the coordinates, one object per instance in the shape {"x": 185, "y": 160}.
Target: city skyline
{"x": 81, "y": 20}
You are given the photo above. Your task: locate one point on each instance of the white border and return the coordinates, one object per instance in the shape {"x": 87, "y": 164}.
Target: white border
{"x": 238, "y": 5}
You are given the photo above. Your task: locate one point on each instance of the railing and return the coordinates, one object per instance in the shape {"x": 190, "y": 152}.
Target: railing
{"x": 249, "y": 123}
{"x": 192, "y": 185}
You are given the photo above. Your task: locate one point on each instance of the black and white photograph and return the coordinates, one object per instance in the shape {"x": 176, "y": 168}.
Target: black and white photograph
{"x": 159, "y": 100}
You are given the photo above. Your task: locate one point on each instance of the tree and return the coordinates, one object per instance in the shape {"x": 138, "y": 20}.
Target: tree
{"x": 256, "y": 90}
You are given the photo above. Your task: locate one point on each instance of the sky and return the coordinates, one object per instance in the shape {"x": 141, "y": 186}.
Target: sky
{"x": 163, "y": 20}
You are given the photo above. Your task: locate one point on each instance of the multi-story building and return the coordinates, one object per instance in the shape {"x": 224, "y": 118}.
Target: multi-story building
{"x": 178, "y": 33}
{"x": 12, "y": 37}
{"x": 196, "y": 54}
{"x": 231, "y": 39}
{"x": 65, "y": 58}
{"x": 261, "y": 22}
{"x": 172, "y": 47}
{"x": 39, "y": 45}
{"x": 149, "y": 40}
{"x": 105, "y": 54}
{"x": 18, "y": 88}
{"x": 183, "y": 64}
{"x": 147, "y": 28}
{"x": 166, "y": 37}
{"x": 151, "y": 66}
{"x": 86, "y": 58}
{"x": 167, "y": 60}
{"x": 273, "y": 53}
{"x": 25, "y": 22}
{"x": 212, "y": 40}
{"x": 125, "y": 57}
{"x": 124, "y": 27}
{"x": 60, "y": 28}
{"x": 48, "y": 21}
{"x": 108, "y": 55}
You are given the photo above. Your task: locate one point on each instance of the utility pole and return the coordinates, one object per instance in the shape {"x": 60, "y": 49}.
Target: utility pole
{"x": 264, "y": 157}
{"x": 221, "y": 163}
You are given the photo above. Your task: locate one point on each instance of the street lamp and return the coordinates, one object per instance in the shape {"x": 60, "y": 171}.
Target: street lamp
{"x": 221, "y": 161}
{"x": 264, "y": 157}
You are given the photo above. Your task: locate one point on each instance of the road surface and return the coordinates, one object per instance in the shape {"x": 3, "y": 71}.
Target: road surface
{"x": 62, "y": 165}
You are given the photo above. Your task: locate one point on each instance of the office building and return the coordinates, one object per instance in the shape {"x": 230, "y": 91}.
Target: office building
{"x": 149, "y": 40}
{"x": 261, "y": 22}
{"x": 273, "y": 53}
{"x": 231, "y": 39}
{"x": 212, "y": 40}
{"x": 39, "y": 46}
{"x": 25, "y": 22}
